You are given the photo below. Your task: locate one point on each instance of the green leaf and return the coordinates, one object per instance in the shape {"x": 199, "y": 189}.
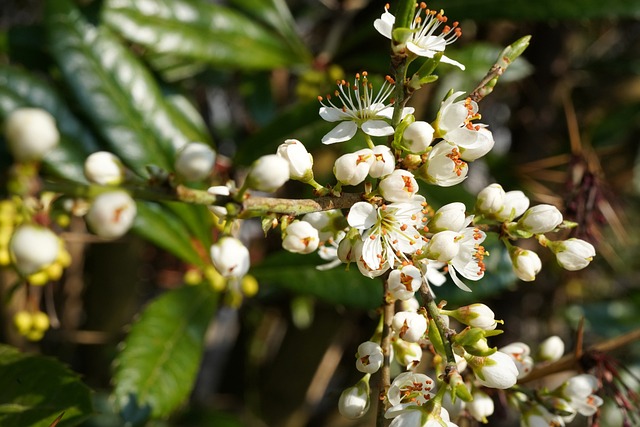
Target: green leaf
{"x": 298, "y": 273}
{"x": 200, "y": 31}
{"x": 35, "y": 390}
{"x": 158, "y": 364}
{"x": 540, "y": 10}
{"x": 159, "y": 225}
{"x": 19, "y": 88}
{"x": 116, "y": 92}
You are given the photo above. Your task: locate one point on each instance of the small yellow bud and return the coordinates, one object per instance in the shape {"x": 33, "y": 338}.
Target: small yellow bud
{"x": 40, "y": 321}
{"x": 23, "y": 322}
{"x": 34, "y": 335}
{"x": 54, "y": 271}
{"x": 5, "y": 256}
{"x": 38, "y": 279}
{"x": 193, "y": 277}
{"x": 214, "y": 278}
{"x": 249, "y": 285}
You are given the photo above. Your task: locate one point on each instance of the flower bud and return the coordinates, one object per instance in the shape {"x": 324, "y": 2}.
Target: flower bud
{"x": 353, "y": 168}
{"x": 409, "y": 326}
{"x": 369, "y": 357}
{"x": 481, "y": 406}
{"x": 475, "y": 315}
{"x": 526, "y": 264}
{"x": 495, "y": 371}
{"x": 299, "y": 159}
{"x": 194, "y": 161}
{"x": 399, "y": 186}
{"x": 443, "y": 246}
{"x": 551, "y": 349}
{"x": 268, "y": 173}
{"x": 449, "y": 217}
{"x": 104, "y": 168}
{"x": 31, "y": 133}
{"x": 230, "y": 257}
{"x": 383, "y": 162}
{"x": 573, "y": 254}
{"x": 490, "y": 200}
{"x": 354, "y": 401}
{"x": 417, "y": 137}
{"x": 403, "y": 283}
{"x": 33, "y": 248}
{"x": 515, "y": 204}
{"x": 300, "y": 237}
{"x": 111, "y": 214}
{"x": 540, "y": 219}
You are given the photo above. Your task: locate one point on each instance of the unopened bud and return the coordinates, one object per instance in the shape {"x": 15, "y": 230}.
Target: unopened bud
{"x": 111, "y": 214}
{"x": 194, "y": 161}
{"x": 104, "y": 168}
{"x": 31, "y": 133}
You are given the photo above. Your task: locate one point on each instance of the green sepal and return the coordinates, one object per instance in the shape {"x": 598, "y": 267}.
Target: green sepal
{"x": 435, "y": 338}
{"x": 401, "y": 35}
{"x": 397, "y": 135}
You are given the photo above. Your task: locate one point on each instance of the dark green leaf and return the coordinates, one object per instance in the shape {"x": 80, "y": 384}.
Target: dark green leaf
{"x": 18, "y": 88}
{"x": 298, "y": 273}
{"x": 117, "y": 93}
{"x": 200, "y": 31}
{"x": 540, "y": 10}
{"x": 35, "y": 390}
{"x": 161, "y": 355}
{"x": 162, "y": 227}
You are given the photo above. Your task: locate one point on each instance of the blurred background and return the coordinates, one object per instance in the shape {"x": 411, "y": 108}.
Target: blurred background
{"x": 565, "y": 117}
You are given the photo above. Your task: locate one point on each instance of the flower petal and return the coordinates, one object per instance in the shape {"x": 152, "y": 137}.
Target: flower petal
{"x": 459, "y": 283}
{"x": 384, "y": 24}
{"x": 342, "y": 132}
{"x": 332, "y": 114}
{"x": 362, "y": 215}
{"x": 377, "y": 128}
{"x": 450, "y": 61}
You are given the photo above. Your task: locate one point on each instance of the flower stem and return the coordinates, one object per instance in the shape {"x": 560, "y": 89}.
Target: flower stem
{"x": 444, "y": 332}
{"x": 385, "y": 344}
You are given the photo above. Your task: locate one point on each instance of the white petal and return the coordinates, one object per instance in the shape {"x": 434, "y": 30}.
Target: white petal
{"x": 384, "y": 24}
{"x": 459, "y": 283}
{"x": 377, "y": 128}
{"x": 362, "y": 215}
{"x": 332, "y": 114}
{"x": 343, "y": 132}
{"x": 450, "y": 61}
{"x": 420, "y": 51}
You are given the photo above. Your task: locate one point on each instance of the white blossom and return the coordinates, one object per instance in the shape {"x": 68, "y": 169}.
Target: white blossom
{"x": 573, "y": 254}
{"x": 383, "y": 162}
{"x": 399, "y": 186}
{"x": 526, "y": 264}
{"x": 230, "y": 257}
{"x": 353, "y": 168}
{"x": 111, "y": 214}
{"x": 403, "y": 283}
{"x": 494, "y": 371}
{"x": 300, "y": 237}
{"x": 476, "y": 315}
{"x": 520, "y": 354}
{"x": 515, "y": 204}
{"x": 551, "y": 349}
{"x": 33, "y": 248}
{"x": 449, "y": 217}
{"x": 409, "y": 326}
{"x": 369, "y": 357}
{"x": 490, "y": 200}
{"x": 540, "y": 219}
{"x": 425, "y": 40}
{"x": 104, "y": 168}
{"x": 354, "y": 401}
{"x": 410, "y": 387}
{"x": 360, "y": 109}
{"x": 268, "y": 173}
{"x": 30, "y": 133}
{"x": 299, "y": 159}
{"x": 195, "y": 161}
{"x": 444, "y": 166}
{"x": 417, "y": 137}
{"x": 481, "y": 406}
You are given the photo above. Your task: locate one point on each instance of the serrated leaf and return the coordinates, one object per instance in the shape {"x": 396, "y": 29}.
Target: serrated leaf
{"x": 35, "y": 390}
{"x": 158, "y": 224}
{"x": 116, "y": 91}
{"x": 19, "y": 88}
{"x": 158, "y": 364}
{"x": 200, "y": 31}
{"x": 298, "y": 273}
